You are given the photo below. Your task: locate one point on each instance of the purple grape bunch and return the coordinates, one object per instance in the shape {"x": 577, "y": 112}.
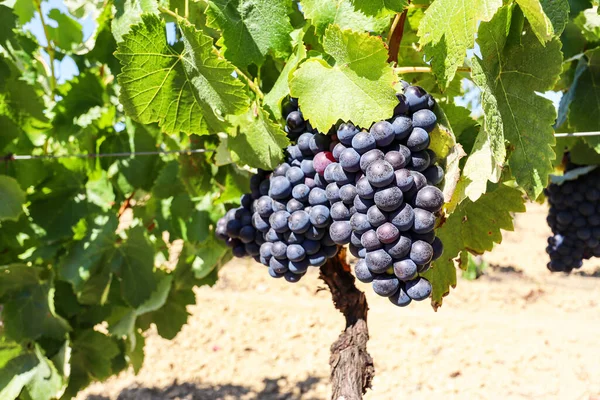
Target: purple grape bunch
{"x": 389, "y": 224}
{"x": 374, "y": 190}
{"x": 284, "y": 222}
{"x": 574, "y": 217}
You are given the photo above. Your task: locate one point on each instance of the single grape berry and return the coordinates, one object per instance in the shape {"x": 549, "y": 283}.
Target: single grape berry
{"x": 430, "y": 198}
{"x": 370, "y": 157}
{"x": 380, "y": 173}
{"x": 400, "y": 298}
{"x": 280, "y": 187}
{"x": 387, "y": 233}
{"x": 339, "y": 212}
{"x": 424, "y": 221}
{"x": 389, "y": 199}
{"x": 378, "y": 261}
{"x": 360, "y": 223}
{"x": 362, "y": 272}
{"x": 383, "y": 132}
{"x": 402, "y": 127}
{"x": 340, "y": 232}
{"x": 416, "y": 97}
{"x": 385, "y": 285}
{"x": 370, "y": 241}
{"x": 347, "y": 193}
{"x": 400, "y": 248}
{"x": 363, "y": 142}
{"x": 279, "y": 221}
{"x": 350, "y": 160}
{"x": 376, "y": 217}
{"x": 417, "y": 140}
{"x": 405, "y": 269}
{"x": 362, "y": 205}
{"x": 295, "y": 121}
{"x": 322, "y": 160}
{"x": 346, "y": 133}
{"x": 419, "y": 161}
{"x": 364, "y": 188}
{"x": 299, "y": 221}
{"x": 425, "y": 119}
{"x": 421, "y": 252}
{"x": 319, "y": 216}
{"x": 396, "y": 159}
{"x": 418, "y": 289}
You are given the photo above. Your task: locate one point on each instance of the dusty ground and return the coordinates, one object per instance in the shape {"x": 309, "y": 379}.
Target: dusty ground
{"x": 518, "y": 332}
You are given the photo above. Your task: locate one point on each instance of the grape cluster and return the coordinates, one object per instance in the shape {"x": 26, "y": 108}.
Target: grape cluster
{"x": 372, "y": 189}
{"x": 284, "y": 222}
{"x": 388, "y": 214}
{"x": 574, "y": 217}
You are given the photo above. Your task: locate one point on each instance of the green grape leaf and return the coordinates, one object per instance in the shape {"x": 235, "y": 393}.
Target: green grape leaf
{"x": 140, "y": 172}
{"x": 209, "y": 255}
{"x": 136, "y": 353}
{"x": 578, "y": 6}
{"x": 582, "y": 101}
{"x": 375, "y": 7}
{"x": 17, "y": 367}
{"x": 8, "y": 22}
{"x": 21, "y": 108}
{"x": 99, "y": 190}
{"x": 581, "y": 153}
{"x": 91, "y": 359}
{"x": 24, "y": 9}
{"x": 489, "y": 150}
{"x": 358, "y": 87}
{"x": 87, "y": 257}
{"x": 47, "y": 381}
{"x": 29, "y": 306}
{"x": 185, "y": 88}
{"x": 168, "y": 184}
{"x": 448, "y": 152}
{"x": 281, "y": 88}
{"x": 136, "y": 267}
{"x": 129, "y": 13}
{"x": 589, "y": 23}
{"x": 258, "y": 141}
{"x": 251, "y": 29}
{"x": 81, "y": 94}
{"x": 547, "y": 18}
{"x": 473, "y": 226}
{"x": 343, "y": 13}
{"x": 68, "y": 33}
{"x": 13, "y": 198}
{"x": 448, "y": 30}
{"x": 170, "y": 318}
{"x": 125, "y": 325}
{"x": 515, "y": 66}
{"x": 465, "y": 127}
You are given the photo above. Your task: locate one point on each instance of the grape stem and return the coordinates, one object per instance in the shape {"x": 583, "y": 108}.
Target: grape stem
{"x": 351, "y": 365}
{"x": 251, "y": 84}
{"x": 395, "y": 36}
{"x": 49, "y": 47}
{"x": 415, "y": 70}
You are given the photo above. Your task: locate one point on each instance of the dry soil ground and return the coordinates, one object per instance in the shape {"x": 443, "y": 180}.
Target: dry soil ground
{"x": 517, "y": 332}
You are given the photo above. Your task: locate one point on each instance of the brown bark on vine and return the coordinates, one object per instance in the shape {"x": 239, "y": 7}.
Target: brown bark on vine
{"x": 351, "y": 365}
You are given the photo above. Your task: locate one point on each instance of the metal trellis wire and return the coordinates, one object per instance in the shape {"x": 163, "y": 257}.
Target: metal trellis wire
{"x": 17, "y": 157}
